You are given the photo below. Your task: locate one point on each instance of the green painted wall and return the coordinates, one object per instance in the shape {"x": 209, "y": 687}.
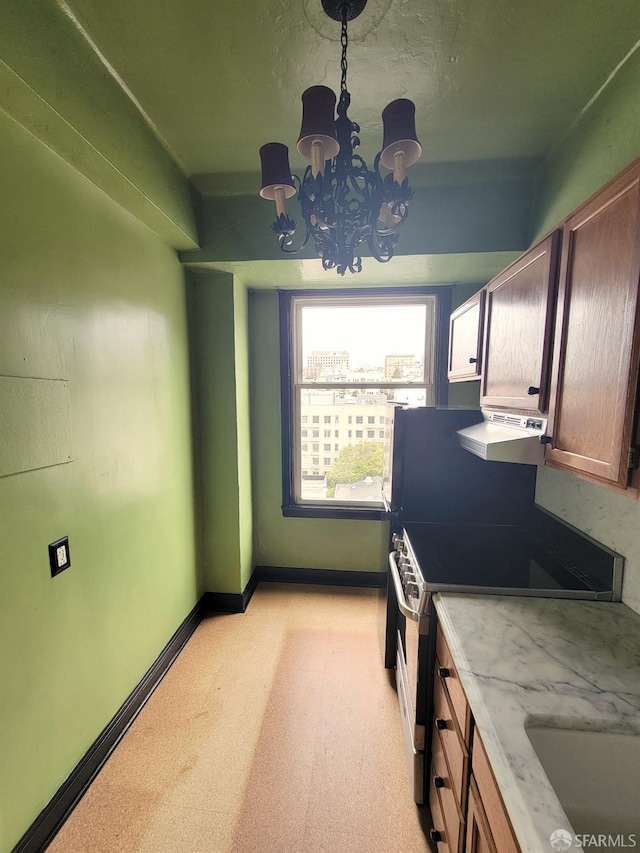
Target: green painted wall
{"x": 243, "y": 420}
{"x": 53, "y": 84}
{"x": 304, "y": 542}
{"x": 87, "y": 295}
{"x": 308, "y": 543}
{"x": 219, "y": 340}
{"x": 602, "y": 142}
{"x": 489, "y": 213}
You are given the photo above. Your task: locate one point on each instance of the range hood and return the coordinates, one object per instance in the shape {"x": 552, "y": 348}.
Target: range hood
{"x": 506, "y": 437}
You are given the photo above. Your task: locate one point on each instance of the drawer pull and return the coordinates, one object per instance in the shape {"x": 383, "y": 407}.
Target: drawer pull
{"x": 438, "y": 781}
{"x": 435, "y": 835}
{"x": 531, "y": 390}
{"x": 444, "y": 672}
{"x": 473, "y": 361}
{"x": 441, "y": 724}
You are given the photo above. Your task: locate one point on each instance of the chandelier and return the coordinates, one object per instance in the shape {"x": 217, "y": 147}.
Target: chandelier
{"x": 345, "y": 205}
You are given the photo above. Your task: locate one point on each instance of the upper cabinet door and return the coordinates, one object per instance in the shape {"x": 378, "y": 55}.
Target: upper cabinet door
{"x": 465, "y": 339}
{"x": 518, "y": 331}
{"x": 595, "y": 363}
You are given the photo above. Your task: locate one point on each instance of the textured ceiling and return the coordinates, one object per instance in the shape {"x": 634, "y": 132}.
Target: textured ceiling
{"x": 495, "y": 79}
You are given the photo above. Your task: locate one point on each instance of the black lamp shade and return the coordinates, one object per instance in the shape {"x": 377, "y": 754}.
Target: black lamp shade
{"x": 318, "y": 122}
{"x": 276, "y": 172}
{"x": 399, "y": 133}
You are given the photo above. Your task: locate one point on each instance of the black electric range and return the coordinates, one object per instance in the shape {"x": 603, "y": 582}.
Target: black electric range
{"x": 542, "y": 556}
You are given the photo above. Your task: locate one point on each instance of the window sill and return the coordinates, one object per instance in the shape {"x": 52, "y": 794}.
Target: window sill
{"x": 341, "y": 512}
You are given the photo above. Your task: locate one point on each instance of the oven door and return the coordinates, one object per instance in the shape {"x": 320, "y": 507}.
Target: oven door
{"x": 411, "y": 648}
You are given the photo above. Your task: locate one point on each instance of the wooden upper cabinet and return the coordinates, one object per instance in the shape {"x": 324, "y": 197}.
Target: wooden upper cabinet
{"x": 595, "y": 363}
{"x": 519, "y": 309}
{"x": 465, "y": 339}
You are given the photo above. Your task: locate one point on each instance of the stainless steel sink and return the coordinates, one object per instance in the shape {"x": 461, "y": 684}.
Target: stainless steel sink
{"x": 596, "y": 777}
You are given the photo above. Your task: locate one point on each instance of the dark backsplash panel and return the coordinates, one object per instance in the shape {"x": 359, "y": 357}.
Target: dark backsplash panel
{"x": 443, "y": 482}
{"x": 571, "y": 547}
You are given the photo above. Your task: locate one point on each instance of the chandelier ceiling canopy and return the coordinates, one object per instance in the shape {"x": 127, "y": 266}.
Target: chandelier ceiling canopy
{"x": 345, "y": 205}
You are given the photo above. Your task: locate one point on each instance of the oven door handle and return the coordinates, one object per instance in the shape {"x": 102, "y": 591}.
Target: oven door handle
{"x": 403, "y": 607}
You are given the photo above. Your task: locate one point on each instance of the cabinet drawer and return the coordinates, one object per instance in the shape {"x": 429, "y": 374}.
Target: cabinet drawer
{"x": 451, "y": 740}
{"x": 494, "y": 808}
{"x": 439, "y": 832}
{"x": 449, "y": 679}
{"x": 447, "y": 798}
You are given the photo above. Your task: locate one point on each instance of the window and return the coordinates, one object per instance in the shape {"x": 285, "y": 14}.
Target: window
{"x": 304, "y": 447}
{"x": 316, "y": 448}
{"x": 360, "y": 353}
{"x": 304, "y": 433}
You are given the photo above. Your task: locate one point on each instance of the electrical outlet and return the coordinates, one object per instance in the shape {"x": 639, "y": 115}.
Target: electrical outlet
{"x": 59, "y": 556}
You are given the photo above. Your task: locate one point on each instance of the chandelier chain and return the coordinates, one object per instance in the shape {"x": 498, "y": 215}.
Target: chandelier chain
{"x": 344, "y": 41}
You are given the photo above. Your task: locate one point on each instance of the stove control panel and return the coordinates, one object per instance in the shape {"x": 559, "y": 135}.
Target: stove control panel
{"x": 411, "y": 579}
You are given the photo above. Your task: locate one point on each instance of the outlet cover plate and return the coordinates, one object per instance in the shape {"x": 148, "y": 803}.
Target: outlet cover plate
{"x": 59, "y": 556}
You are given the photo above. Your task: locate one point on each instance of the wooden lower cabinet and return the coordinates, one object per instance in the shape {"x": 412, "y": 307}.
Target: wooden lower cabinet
{"x": 439, "y": 834}
{"x": 479, "y": 838}
{"x": 448, "y": 797}
{"x": 498, "y": 825}
{"x": 467, "y": 811}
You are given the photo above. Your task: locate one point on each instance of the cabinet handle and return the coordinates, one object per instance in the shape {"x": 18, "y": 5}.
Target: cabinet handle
{"x": 435, "y": 835}
{"x": 443, "y": 672}
{"x": 545, "y": 439}
{"x": 438, "y": 781}
{"x": 532, "y": 390}
{"x": 441, "y": 724}
{"x": 473, "y": 361}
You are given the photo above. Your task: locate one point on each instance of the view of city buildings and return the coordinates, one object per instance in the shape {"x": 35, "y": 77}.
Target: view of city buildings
{"x": 333, "y": 418}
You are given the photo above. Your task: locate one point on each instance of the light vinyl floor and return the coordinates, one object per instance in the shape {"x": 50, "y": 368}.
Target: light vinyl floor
{"x": 275, "y": 730}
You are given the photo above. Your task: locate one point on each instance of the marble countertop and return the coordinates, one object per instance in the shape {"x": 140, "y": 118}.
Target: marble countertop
{"x": 542, "y": 661}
